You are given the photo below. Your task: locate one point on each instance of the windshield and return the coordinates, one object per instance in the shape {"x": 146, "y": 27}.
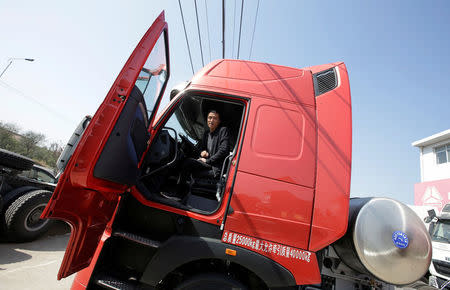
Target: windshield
{"x": 441, "y": 232}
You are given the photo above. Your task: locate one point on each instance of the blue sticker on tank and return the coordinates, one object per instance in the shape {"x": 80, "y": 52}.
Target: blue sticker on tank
{"x": 400, "y": 239}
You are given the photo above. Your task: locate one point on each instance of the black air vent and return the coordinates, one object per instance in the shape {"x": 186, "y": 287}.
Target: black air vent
{"x": 324, "y": 81}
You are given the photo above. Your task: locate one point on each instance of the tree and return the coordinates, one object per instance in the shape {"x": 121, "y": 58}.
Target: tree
{"x": 56, "y": 149}
{"x": 8, "y": 136}
{"x": 14, "y": 128}
{"x": 48, "y": 155}
{"x": 30, "y": 141}
{"x": 29, "y": 144}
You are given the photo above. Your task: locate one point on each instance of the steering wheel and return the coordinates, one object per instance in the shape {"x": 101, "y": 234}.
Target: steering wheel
{"x": 173, "y": 141}
{"x": 186, "y": 145}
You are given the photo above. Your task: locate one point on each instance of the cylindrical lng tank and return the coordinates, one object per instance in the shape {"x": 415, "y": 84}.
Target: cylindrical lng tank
{"x": 386, "y": 239}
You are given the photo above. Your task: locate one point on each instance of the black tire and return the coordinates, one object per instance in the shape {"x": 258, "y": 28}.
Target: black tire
{"x": 22, "y": 216}
{"x": 14, "y": 160}
{"x": 210, "y": 281}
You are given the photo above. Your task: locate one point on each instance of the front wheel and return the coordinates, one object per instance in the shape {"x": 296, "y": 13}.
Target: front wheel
{"x": 22, "y": 217}
{"x": 210, "y": 281}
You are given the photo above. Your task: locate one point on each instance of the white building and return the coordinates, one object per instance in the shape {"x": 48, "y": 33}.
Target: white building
{"x": 434, "y": 188}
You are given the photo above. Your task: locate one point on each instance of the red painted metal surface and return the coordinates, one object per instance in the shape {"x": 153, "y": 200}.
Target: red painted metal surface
{"x": 82, "y": 277}
{"x": 80, "y": 199}
{"x": 273, "y": 195}
{"x": 302, "y": 264}
{"x": 274, "y": 191}
{"x": 292, "y": 179}
{"x": 334, "y": 156}
{"x": 280, "y": 142}
{"x": 281, "y": 188}
{"x": 271, "y": 210}
{"x": 318, "y": 68}
{"x": 263, "y": 80}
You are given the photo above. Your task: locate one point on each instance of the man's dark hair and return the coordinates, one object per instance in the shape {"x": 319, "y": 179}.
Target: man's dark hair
{"x": 214, "y": 112}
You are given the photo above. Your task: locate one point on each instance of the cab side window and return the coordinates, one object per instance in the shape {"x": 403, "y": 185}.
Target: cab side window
{"x": 153, "y": 75}
{"x": 45, "y": 177}
{"x": 28, "y": 173}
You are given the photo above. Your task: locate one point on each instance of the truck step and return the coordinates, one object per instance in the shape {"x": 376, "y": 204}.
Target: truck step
{"x": 113, "y": 283}
{"x": 137, "y": 239}
{"x": 109, "y": 282}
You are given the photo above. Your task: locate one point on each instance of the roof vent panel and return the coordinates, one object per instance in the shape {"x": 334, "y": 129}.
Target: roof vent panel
{"x": 324, "y": 81}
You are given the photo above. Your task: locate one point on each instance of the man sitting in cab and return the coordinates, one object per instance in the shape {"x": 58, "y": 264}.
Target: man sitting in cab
{"x": 213, "y": 147}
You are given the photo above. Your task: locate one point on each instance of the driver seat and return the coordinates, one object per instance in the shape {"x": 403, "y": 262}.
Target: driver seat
{"x": 205, "y": 183}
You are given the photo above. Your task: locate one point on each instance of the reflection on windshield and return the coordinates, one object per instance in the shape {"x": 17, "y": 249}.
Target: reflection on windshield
{"x": 441, "y": 232}
{"x": 153, "y": 74}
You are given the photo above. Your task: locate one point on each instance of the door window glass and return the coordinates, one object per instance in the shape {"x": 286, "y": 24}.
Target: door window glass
{"x": 153, "y": 75}
{"x": 45, "y": 177}
{"x": 27, "y": 173}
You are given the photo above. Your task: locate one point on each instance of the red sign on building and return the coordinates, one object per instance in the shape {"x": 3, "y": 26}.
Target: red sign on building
{"x": 434, "y": 193}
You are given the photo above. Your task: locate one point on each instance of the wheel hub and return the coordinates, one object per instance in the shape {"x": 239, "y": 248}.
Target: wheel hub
{"x": 33, "y": 221}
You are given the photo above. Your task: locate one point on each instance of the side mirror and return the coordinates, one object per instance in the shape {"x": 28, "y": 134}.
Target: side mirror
{"x": 430, "y": 217}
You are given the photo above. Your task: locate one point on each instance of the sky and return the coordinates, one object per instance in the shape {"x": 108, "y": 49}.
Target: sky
{"x": 397, "y": 54}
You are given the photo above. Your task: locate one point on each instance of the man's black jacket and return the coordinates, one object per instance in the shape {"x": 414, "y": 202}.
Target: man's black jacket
{"x": 220, "y": 146}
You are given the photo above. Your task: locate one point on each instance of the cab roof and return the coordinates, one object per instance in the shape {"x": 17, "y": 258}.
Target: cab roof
{"x": 257, "y": 79}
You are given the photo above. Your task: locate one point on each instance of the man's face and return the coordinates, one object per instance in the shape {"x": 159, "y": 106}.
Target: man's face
{"x": 213, "y": 121}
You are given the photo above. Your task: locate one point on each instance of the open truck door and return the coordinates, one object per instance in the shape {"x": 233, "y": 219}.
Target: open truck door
{"x": 106, "y": 160}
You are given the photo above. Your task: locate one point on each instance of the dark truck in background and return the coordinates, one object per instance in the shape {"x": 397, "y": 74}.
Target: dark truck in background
{"x": 25, "y": 189}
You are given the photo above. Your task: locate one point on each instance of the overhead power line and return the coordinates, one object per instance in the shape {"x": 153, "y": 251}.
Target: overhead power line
{"x": 240, "y": 29}
{"x": 223, "y": 28}
{"x": 198, "y": 29}
{"x": 207, "y": 25}
{"x": 185, "y": 34}
{"x": 254, "y": 28}
{"x": 234, "y": 28}
{"x": 33, "y": 100}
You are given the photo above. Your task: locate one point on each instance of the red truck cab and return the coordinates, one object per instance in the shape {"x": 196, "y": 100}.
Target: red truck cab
{"x": 281, "y": 197}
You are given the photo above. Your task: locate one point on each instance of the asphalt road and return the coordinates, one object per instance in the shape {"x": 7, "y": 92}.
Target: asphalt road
{"x": 35, "y": 265}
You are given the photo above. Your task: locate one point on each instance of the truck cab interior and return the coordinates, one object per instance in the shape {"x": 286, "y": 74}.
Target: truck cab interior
{"x": 179, "y": 132}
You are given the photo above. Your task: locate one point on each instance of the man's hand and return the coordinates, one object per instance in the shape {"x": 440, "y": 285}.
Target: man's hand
{"x": 202, "y": 160}
{"x": 204, "y": 154}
